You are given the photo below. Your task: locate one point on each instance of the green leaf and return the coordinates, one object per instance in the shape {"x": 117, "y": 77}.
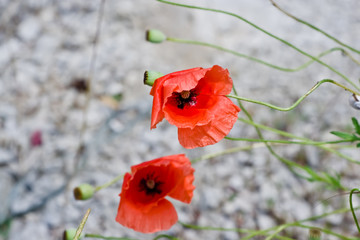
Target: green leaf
{"x": 345, "y": 136}
{"x": 358, "y": 145}
{"x": 356, "y": 125}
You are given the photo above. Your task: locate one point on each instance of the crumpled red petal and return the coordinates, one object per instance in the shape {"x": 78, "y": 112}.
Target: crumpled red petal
{"x": 213, "y": 132}
{"x": 215, "y": 82}
{"x": 184, "y": 189}
{"x": 194, "y": 116}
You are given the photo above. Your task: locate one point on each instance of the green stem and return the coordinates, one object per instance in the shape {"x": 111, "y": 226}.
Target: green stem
{"x": 298, "y": 223}
{"x": 196, "y": 227}
{"x": 289, "y": 135}
{"x": 308, "y": 63}
{"x": 227, "y": 151}
{"x": 298, "y": 101}
{"x": 291, "y": 165}
{"x": 266, "y": 231}
{"x": 314, "y": 27}
{"x": 267, "y": 33}
{"x": 165, "y": 236}
{"x": 324, "y": 230}
{"x": 286, "y": 141}
{"x": 239, "y": 230}
{"x": 89, "y": 235}
{"x": 116, "y": 179}
{"x": 82, "y": 225}
{"x": 352, "y": 208}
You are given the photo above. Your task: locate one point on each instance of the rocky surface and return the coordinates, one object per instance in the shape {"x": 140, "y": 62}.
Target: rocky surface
{"x": 46, "y": 46}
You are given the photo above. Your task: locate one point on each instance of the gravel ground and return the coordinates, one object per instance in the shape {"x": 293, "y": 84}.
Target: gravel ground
{"x": 46, "y": 46}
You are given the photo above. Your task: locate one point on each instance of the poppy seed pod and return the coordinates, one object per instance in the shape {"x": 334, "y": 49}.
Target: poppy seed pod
{"x": 354, "y": 101}
{"x": 151, "y": 76}
{"x": 314, "y": 234}
{"x": 155, "y": 36}
{"x": 84, "y": 192}
{"x": 69, "y": 234}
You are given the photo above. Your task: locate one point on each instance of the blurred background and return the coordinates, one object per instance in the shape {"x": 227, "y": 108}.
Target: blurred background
{"x": 47, "y": 59}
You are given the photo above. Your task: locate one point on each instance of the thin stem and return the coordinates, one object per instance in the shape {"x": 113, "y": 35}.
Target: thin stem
{"x": 313, "y": 218}
{"x": 89, "y": 235}
{"x": 352, "y": 208}
{"x": 314, "y": 27}
{"x": 196, "y": 227}
{"x": 265, "y": 231}
{"x": 227, "y": 151}
{"x": 287, "y": 134}
{"x": 276, "y": 232}
{"x": 308, "y": 63}
{"x": 91, "y": 73}
{"x": 298, "y": 101}
{"x": 267, "y": 33}
{"x": 116, "y": 179}
{"x": 82, "y": 225}
{"x": 324, "y": 230}
{"x": 286, "y": 141}
{"x": 240, "y": 230}
{"x": 165, "y": 236}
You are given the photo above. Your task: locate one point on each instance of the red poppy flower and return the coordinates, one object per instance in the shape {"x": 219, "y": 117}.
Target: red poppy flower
{"x": 143, "y": 206}
{"x": 194, "y": 100}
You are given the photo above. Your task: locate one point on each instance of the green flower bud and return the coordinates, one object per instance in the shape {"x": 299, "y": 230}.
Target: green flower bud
{"x": 151, "y": 76}
{"x": 69, "y": 234}
{"x": 155, "y": 36}
{"x": 84, "y": 192}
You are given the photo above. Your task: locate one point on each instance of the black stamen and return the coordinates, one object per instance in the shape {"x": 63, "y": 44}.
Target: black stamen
{"x": 150, "y": 185}
{"x": 185, "y": 98}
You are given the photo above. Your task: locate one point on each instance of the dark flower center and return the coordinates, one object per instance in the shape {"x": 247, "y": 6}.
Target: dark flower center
{"x": 186, "y": 98}
{"x": 150, "y": 185}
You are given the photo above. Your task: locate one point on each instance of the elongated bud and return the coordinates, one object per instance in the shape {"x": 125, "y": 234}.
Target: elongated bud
{"x": 155, "y": 36}
{"x": 83, "y": 192}
{"x": 69, "y": 234}
{"x": 314, "y": 234}
{"x": 151, "y": 76}
{"x": 354, "y": 101}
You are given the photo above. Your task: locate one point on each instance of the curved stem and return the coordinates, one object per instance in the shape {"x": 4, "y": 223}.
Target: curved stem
{"x": 267, "y": 33}
{"x": 314, "y": 27}
{"x": 308, "y": 63}
{"x": 298, "y": 101}
{"x": 352, "y": 208}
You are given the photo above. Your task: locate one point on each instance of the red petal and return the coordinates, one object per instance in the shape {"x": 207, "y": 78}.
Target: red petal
{"x": 173, "y": 82}
{"x": 158, "y": 218}
{"x": 216, "y": 81}
{"x": 184, "y": 189}
{"x": 200, "y": 136}
{"x": 189, "y": 117}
